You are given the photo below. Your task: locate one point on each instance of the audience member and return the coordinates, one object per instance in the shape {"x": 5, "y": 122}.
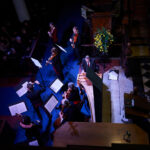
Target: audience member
{"x": 16, "y": 41}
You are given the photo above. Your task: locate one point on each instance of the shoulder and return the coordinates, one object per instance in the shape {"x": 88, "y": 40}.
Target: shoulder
{"x": 83, "y": 59}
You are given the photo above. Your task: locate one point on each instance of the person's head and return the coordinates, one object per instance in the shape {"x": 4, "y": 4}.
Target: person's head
{"x": 54, "y": 50}
{"x": 18, "y": 39}
{"x": 26, "y": 120}
{"x": 30, "y": 86}
{"x": 128, "y": 44}
{"x": 75, "y": 30}
{"x": 70, "y": 85}
{"x": 51, "y": 25}
{"x": 23, "y": 31}
{"x": 66, "y": 103}
{"x": 87, "y": 58}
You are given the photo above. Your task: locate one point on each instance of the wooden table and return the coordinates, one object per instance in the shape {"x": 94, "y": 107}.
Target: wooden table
{"x": 86, "y": 83}
{"x": 97, "y": 134}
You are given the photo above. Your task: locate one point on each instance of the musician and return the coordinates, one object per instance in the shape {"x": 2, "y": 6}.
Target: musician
{"x": 75, "y": 42}
{"x": 52, "y": 32}
{"x": 55, "y": 61}
{"x": 34, "y": 95}
{"x": 73, "y": 95}
{"x": 88, "y": 62}
{"x": 32, "y": 129}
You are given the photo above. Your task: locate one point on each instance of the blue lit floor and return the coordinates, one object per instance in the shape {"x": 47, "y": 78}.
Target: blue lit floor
{"x": 70, "y": 71}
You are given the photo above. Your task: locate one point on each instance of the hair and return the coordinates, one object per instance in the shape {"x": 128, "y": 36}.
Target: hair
{"x": 87, "y": 57}
{"x": 51, "y": 23}
{"x": 54, "y": 49}
{"x": 30, "y": 86}
{"x": 75, "y": 27}
{"x": 70, "y": 85}
{"x": 26, "y": 120}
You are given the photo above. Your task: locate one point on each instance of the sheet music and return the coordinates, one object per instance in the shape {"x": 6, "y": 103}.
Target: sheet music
{"x": 25, "y": 84}
{"x": 36, "y": 62}
{"x": 50, "y": 105}
{"x": 17, "y": 108}
{"x": 113, "y": 75}
{"x": 56, "y": 86}
{"x": 62, "y": 48}
{"x": 34, "y": 143}
{"x": 22, "y": 90}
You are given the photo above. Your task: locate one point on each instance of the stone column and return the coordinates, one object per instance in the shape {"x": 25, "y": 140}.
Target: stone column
{"x": 21, "y": 10}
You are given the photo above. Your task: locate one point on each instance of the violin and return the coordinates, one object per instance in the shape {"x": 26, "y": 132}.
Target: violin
{"x": 74, "y": 40}
{"x": 58, "y": 121}
{"x": 51, "y": 58}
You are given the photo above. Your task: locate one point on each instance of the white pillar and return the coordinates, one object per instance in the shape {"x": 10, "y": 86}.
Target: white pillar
{"x": 21, "y": 10}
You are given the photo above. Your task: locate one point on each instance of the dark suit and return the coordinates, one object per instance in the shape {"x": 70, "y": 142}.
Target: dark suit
{"x": 35, "y": 98}
{"x": 85, "y": 65}
{"x": 34, "y": 95}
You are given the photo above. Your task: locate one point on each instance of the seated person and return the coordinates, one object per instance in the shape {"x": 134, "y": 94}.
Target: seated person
{"x": 32, "y": 130}
{"x": 73, "y": 95}
{"x": 88, "y": 62}
{"x": 69, "y": 112}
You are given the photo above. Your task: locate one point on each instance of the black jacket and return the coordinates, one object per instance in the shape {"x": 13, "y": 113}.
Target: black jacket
{"x": 85, "y": 65}
{"x": 35, "y": 95}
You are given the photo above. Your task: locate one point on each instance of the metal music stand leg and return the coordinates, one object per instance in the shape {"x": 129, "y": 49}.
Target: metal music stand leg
{"x": 42, "y": 79}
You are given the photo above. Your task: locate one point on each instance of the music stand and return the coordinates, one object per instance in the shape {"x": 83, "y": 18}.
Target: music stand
{"x": 23, "y": 90}
{"x": 51, "y": 103}
{"x": 17, "y": 108}
{"x": 38, "y": 64}
{"x": 61, "y": 48}
{"x": 56, "y": 85}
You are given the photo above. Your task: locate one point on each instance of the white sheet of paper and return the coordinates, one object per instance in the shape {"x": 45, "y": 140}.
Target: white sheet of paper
{"x": 17, "y": 108}
{"x": 36, "y": 62}
{"x": 25, "y": 84}
{"x": 51, "y": 103}
{"x": 113, "y": 75}
{"x": 22, "y": 91}
{"x": 61, "y": 48}
{"x": 34, "y": 143}
{"x": 56, "y": 86}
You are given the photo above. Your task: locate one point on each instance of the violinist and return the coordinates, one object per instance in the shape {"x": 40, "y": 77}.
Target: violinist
{"x": 75, "y": 42}
{"x": 52, "y": 32}
{"x": 55, "y": 61}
